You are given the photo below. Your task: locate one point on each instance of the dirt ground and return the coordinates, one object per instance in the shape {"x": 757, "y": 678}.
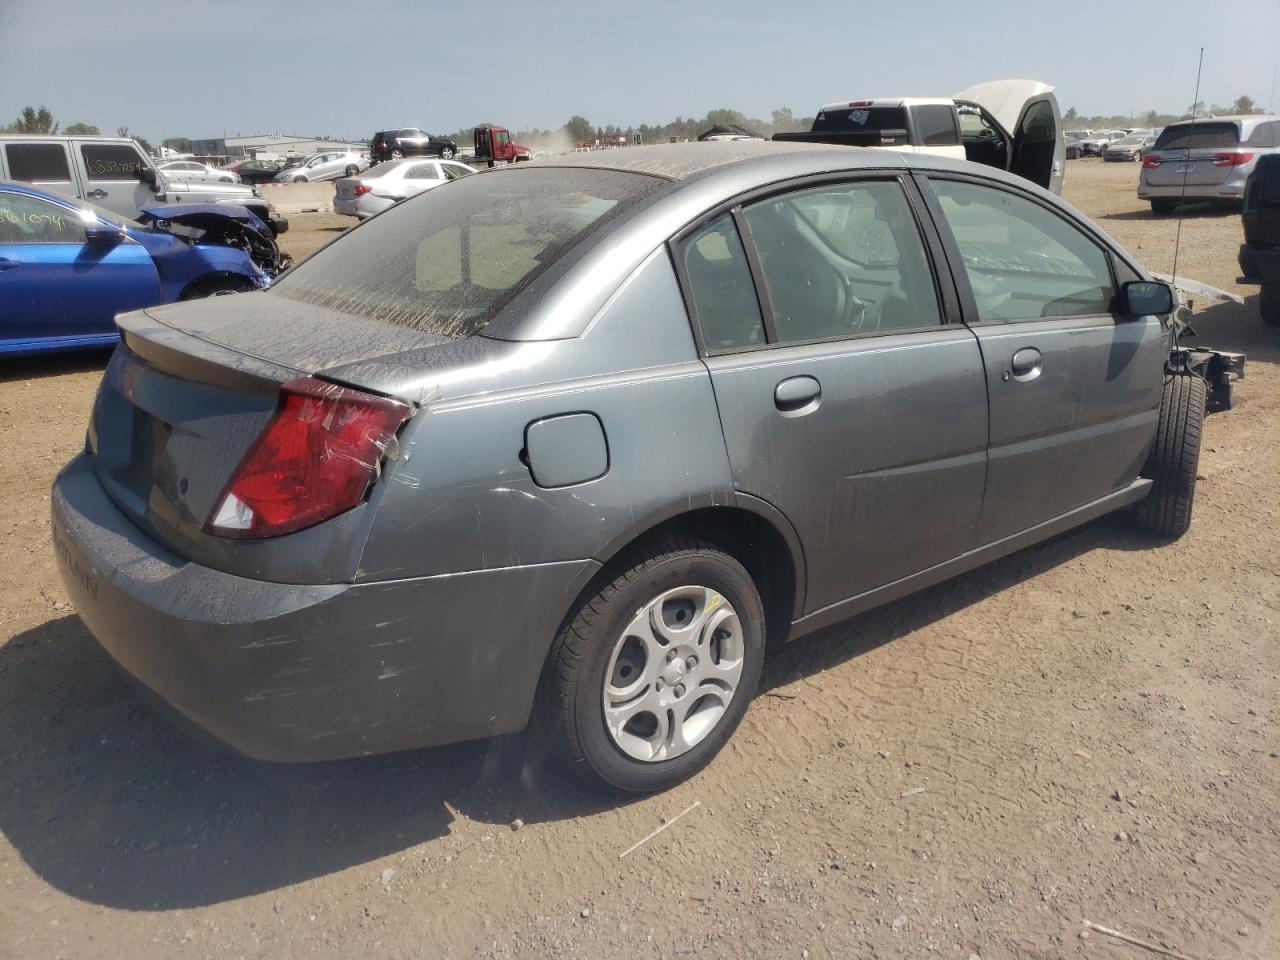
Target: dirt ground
{"x": 1086, "y": 729}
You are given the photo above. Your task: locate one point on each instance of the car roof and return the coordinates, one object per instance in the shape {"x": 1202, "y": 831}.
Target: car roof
{"x": 63, "y": 136}
{"x": 683, "y": 161}
{"x": 888, "y": 102}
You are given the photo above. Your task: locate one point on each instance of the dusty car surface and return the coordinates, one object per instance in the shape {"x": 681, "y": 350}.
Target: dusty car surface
{"x": 575, "y": 440}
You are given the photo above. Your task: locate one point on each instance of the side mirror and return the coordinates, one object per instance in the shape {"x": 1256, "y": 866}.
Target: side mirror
{"x": 103, "y": 234}
{"x": 147, "y": 175}
{"x": 1145, "y": 298}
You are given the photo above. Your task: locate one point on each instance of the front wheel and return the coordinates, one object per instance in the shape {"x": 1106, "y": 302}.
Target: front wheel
{"x": 655, "y": 670}
{"x": 1174, "y": 458}
{"x": 1269, "y": 304}
{"x": 216, "y": 287}
{"x": 299, "y": 179}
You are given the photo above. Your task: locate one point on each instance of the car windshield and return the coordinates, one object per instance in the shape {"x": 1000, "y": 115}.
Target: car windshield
{"x": 447, "y": 261}
{"x": 1199, "y": 136}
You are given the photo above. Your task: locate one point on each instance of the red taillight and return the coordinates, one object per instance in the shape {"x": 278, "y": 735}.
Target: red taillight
{"x": 1233, "y": 159}
{"x": 861, "y": 103}
{"x": 362, "y": 189}
{"x": 315, "y": 460}
{"x": 1151, "y": 161}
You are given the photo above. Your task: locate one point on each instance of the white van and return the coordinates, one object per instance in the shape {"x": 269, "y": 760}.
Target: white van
{"x": 1014, "y": 125}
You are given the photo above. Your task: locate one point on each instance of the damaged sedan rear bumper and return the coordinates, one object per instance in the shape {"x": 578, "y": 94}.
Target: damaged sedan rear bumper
{"x": 310, "y": 672}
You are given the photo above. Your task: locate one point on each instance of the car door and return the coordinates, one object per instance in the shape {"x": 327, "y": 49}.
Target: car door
{"x": 113, "y": 177}
{"x": 847, "y": 401}
{"x": 54, "y": 284}
{"x": 1074, "y": 390}
{"x": 1028, "y": 114}
{"x": 41, "y": 164}
{"x": 419, "y": 177}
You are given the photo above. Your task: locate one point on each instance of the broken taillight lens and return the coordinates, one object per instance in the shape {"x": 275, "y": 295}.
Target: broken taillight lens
{"x": 1151, "y": 161}
{"x": 317, "y": 458}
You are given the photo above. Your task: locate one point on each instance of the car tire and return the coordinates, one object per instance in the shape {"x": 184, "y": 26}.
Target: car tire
{"x": 713, "y": 625}
{"x": 1174, "y": 458}
{"x": 216, "y": 286}
{"x": 447, "y": 153}
{"x": 1269, "y": 304}
{"x": 299, "y": 179}
{"x": 351, "y": 170}
{"x": 397, "y": 154}
{"x": 1162, "y": 207}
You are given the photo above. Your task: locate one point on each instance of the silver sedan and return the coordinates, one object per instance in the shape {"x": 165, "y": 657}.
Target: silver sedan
{"x": 187, "y": 171}
{"x": 325, "y": 166}
{"x": 388, "y": 183}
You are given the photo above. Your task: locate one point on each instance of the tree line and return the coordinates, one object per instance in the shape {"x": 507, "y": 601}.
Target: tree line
{"x": 1242, "y": 105}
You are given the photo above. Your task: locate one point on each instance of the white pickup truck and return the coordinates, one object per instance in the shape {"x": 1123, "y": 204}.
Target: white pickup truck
{"x": 1011, "y": 124}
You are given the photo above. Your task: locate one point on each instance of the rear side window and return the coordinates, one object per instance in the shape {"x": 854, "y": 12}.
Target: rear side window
{"x": 112, "y": 161}
{"x": 448, "y": 261}
{"x": 422, "y": 171}
{"x": 1209, "y": 135}
{"x": 843, "y": 260}
{"x": 1265, "y": 135}
{"x": 38, "y": 162}
{"x": 724, "y": 295}
{"x": 936, "y": 125}
{"x": 1023, "y": 261}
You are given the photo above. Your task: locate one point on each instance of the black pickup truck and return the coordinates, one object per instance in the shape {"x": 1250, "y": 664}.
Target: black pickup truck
{"x": 1260, "y": 254}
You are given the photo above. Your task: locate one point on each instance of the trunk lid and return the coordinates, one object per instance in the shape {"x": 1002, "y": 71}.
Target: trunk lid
{"x": 186, "y": 395}
{"x": 1187, "y": 153}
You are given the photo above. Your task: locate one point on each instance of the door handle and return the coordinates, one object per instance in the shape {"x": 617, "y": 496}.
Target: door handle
{"x": 1026, "y": 364}
{"x": 6, "y": 264}
{"x": 797, "y": 396}
{"x": 97, "y": 194}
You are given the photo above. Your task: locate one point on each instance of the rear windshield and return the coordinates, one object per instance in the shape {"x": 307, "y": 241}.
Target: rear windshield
{"x": 1199, "y": 136}
{"x": 860, "y": 118}
{"x": 447, "y": 261}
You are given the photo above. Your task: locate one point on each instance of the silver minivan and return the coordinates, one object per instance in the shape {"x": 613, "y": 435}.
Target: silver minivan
{"x": 1205, "y": 159}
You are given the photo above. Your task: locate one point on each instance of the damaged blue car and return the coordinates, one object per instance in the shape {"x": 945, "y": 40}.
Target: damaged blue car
{"x": 67, "y": 267}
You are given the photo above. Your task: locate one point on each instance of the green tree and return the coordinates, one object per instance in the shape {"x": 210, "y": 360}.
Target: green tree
{"x": 1070, "y": 114}
{"x": 1195, "y": 110}
{"x": 579, "y": 129}
{"x": 180, "y": 144}
{"x": 782, "y": 118}
{"x": 724, "y": 117}
{"x": 34, "y": 121}
{"x": 1244, "y": 104}
{"x": 82, "y": 130}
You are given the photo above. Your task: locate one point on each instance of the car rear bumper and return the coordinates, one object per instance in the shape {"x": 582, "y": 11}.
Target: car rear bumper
{"x": 1230, "y": 189}
{"x": 346, "y": 206}
{"x": 1260, "y": 264}
{"x": 296, "y": 672}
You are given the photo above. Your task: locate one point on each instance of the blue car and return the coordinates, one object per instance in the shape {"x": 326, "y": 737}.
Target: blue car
{"x": 68, "y": 267}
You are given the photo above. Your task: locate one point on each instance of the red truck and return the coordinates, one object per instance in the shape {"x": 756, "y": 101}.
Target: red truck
{"x": 494, "y": 146}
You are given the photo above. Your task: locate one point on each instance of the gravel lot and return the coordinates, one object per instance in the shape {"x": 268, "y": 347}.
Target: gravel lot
{"x": 1086, "y": 729}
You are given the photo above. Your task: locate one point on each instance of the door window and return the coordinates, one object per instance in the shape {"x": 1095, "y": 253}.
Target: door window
{"x": 38, "y": 162}
{"x": 26, "y": 219}
{"x": 1023, "y": 261}
{"x": 936, "y": 125}
{"x": 453, "y": 171}
{"x": 724, "y": 296}
{"x": 112, "y": 161}
{"x": 843, "y": 260}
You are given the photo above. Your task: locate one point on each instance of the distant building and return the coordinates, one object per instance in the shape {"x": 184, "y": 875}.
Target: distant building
{"x": 268, "y": 145}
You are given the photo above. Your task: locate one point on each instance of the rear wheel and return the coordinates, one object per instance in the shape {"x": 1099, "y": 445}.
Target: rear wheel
{"x": 1162, "y": 208}
{"x": 447, "y": 153}
{"x": 1174, "y": 458}
{"x": 216, "y": 286}
{"x": 351, "y": 170}
{"x": 397, "y": 154}
{"x": 1269, "y": 304}
{"x": 654, "y": 671}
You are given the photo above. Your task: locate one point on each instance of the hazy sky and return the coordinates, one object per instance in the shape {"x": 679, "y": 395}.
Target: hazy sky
{"x": 200, "y": 68}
